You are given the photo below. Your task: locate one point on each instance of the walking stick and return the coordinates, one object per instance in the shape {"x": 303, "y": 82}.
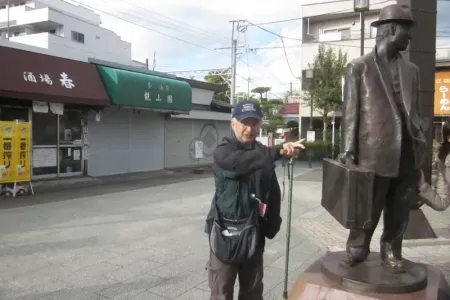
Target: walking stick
{"x": 288, "y": 230}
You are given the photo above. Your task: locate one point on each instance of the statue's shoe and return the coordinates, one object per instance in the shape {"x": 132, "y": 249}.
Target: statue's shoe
{"x": 392, "y": 262}
{"x": 355, "y": 257}
{"x": 394, "y": 265}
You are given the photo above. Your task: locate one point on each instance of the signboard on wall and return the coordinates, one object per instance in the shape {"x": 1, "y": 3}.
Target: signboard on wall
{"x": 15, "y": 146}
{"x": 442, "y": 94}
{"x": 198, "y": 149}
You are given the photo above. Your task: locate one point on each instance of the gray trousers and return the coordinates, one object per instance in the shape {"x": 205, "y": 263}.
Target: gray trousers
{"x": 222, "y": 278}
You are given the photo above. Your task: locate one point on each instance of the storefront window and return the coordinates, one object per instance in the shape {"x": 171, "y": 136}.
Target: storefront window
{"x": 70, "y": 160}
{"x": 14, "y": 113}
{"x": 44, "y": 129}
{"x": 70, "y": 128}
{"x": 45, "y": 161}
{"x": 57, "y": 144}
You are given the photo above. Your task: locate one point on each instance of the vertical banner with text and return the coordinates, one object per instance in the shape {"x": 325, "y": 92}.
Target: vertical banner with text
{"x": 442, "y": 94}
{"x": 15, "y": 150}
{"x": 22, "y": 151}
{"x": 7, "y": 132}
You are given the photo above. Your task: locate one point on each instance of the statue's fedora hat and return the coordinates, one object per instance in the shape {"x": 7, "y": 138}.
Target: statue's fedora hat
{"x": 394, "y": 13}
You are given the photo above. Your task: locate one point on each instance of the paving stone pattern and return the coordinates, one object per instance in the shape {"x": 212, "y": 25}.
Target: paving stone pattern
{"x": 149, "y": 244}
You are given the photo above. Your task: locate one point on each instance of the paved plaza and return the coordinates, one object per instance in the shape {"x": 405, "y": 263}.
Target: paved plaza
{"x": 148, "y": 242}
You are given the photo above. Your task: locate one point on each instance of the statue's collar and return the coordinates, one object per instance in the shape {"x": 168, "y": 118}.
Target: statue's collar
{"x": 378, "y": 57}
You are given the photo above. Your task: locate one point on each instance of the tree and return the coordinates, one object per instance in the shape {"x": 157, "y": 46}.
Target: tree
{"x": 324, "y": 94}
{"x": 261, "y": 90}
{"x": 271, "y": 111}
{"x": 224, "y": 81}
{"x": 242, "y": 96}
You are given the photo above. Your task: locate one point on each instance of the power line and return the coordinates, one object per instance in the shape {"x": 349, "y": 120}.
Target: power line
{"x": 280, "y": 21}
{"x": 284, "y": 48}
{"x": 174, "y": 20}
{"x": 287, "y": 60}
{"x": 156, "y": 31}
{"x": 150, "y": 29}
{"x": 330, "y": 13}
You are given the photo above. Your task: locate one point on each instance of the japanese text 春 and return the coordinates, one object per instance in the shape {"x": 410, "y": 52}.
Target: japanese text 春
{"x": 66, "y": 81}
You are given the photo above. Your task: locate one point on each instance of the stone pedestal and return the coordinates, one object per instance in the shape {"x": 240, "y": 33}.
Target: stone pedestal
{"x": 419, "y": 282}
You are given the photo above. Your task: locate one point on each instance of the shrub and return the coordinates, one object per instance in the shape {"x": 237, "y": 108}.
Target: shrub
{"x": 319, "y": 150}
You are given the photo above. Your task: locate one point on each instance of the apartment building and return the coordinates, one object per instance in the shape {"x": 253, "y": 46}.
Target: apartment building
{"x": 58, "y": 28}
{"x": 335, "y": 24}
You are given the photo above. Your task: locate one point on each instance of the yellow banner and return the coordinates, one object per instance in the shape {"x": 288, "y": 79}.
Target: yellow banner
{"x": 22, "y": 151}
{"x": 7, "y": 133}
{"x": 15, "y": 149}
{"x": 442, "y": 94}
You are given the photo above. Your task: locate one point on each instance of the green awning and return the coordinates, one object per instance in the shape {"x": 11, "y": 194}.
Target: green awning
{"x": 139, "y": 90}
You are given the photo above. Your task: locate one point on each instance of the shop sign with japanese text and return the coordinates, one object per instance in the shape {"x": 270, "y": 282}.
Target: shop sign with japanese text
{"x": 139, "y": 90}
{"x": 442, "y": 93}
{"x": 63, "y": 80}
{"x": 15, "y": 151}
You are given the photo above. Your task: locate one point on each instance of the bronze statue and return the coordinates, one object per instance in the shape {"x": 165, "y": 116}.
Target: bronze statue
{"x": 382, "y": 133}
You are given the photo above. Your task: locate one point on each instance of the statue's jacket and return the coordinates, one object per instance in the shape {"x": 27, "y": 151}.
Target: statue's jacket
{"x": 371, "y": 119}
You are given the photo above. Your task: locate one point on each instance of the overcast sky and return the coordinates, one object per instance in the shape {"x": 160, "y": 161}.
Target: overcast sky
{"x": 205, "y": 23}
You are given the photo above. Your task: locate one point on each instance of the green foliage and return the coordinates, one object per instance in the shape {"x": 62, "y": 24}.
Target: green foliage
{"x": 241, "y": 96}
{"x": 271, "y": 110}
{"x": 220, "y": 80}
{"x": 261, "y": 90}
{"x": 328, "y": 68}
{"x": 324, "y": 93}
{"x": 319, "y": 150}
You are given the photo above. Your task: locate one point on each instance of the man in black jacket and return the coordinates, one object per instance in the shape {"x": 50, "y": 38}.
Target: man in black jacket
{"x": 243, "y": 155}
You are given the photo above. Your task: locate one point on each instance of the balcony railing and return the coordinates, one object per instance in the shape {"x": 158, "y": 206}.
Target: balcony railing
{"x": 337, "y": 36}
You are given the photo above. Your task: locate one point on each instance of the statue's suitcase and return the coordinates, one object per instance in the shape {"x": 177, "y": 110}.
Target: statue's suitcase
{"x": 347, "y": 194}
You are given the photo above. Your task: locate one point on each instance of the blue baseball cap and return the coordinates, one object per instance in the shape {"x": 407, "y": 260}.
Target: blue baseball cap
{"x": 246, "y": 110}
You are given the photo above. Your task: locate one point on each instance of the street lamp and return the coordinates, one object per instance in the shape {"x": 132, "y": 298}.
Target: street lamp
{"x": 309, "y": 74}
{"x": 361, "y": 6}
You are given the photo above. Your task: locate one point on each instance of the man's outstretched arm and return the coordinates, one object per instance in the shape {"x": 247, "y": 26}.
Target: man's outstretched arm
{"x": 246, "y": 161}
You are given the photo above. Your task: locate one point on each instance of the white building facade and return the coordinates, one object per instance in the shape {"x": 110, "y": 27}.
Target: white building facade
{"x": 61, "y": 29}
{"x": 145, "y": 121}
{"x": 334, "y": 24}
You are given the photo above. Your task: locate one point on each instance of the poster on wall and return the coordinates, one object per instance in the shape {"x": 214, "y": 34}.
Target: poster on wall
{"x": 44, "y": 157}
{"x": 198, "y": 149}
{"x": 310, "y": 136}
{"x": 15, "y": 138}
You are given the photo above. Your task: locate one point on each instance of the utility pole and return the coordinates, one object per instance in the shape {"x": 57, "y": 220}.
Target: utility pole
{"x": 290, "y": 90}
{"x": 7, "y": 30}
{"x": 248, "y": 89}
{"x": 146, "y": 63}
{"x": 233, "y": 65}
{"x": 362, "y": 19}
{"x": 362, "y": 6}
{"x": 154, "y": 60}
